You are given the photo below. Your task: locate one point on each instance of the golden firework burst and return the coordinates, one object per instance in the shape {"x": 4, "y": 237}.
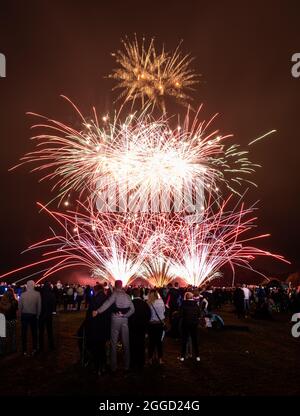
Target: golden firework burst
{"x": 151, "y": 76}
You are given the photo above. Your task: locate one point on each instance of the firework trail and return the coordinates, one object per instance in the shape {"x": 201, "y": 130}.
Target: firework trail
{"x": 145, "y": 159}
{"x": 156, "y": 247}
{"x": 110, "y": 246}
{"x": 150, "y": 76}
{"x": 157, "y": 271}
{"x": 220, "y": 238}
{"x": 150, "y": 189}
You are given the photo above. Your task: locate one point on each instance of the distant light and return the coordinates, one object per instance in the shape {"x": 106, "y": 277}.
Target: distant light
{"x": 66, "y": 203}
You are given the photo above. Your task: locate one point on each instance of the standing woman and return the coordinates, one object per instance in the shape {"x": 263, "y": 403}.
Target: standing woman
{"x": 156, "y": 325}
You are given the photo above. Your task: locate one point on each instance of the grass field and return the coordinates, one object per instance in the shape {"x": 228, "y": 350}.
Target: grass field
{"x": 265, "y": 360}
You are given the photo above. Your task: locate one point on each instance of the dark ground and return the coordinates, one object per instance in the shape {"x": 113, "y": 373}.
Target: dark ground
{"x": 263, "y": 361}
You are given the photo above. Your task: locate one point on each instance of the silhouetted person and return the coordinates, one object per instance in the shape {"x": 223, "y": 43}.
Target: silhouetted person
{"x": 138, "y": 323}
{"x": 156, "y": 325}
{"x": 209, "y": 296}
{"x": 80, "y": 296}
{"x": 238, "y": 300}
{"x": 247, "y": 296}
{"x": 45, "y": 321}
{"x": 172, "y": 301}
{"x": 98, "y": 329}
{"x": 190, "y": 314}
{"x": 30, "y": 308}
{"x": 261, "y": 294}
{"x": 122, "y": 309}
{"x": 9, "y": 307}
{"x": 87, "y": 296}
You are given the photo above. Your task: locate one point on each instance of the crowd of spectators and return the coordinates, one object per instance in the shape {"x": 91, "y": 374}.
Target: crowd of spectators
{"x": 138, "y": 318}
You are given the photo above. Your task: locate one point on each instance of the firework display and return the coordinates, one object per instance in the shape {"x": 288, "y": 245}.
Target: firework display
{"x": 157, "y": 271}
{"x": 149, "y": 190}
{"x": 158, "y": 248}
{"x": 143, "y": 157}
{"x": 221, "y": 238}
{"x": 145, "y": 74}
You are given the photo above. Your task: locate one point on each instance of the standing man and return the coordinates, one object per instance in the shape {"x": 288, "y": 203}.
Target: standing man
{"x": 30, "y": 308}
{"x": 190, "y": 314}
{"x": 247, "y": 295}
{"x": 123, "y": 308}
{"x": 138, "y": 323}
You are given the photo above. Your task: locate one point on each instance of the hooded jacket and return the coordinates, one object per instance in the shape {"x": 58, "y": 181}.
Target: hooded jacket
{"x": 121, "y": 302}
{"x": 48, "y": 301}
{"x": 30, "y": 301}
{"x": 190, "y": 312}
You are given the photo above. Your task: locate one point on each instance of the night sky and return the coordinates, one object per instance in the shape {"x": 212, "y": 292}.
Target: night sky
{"x": 243, "y": 51}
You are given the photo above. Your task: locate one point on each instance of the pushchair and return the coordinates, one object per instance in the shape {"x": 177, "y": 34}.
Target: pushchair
{"x": 212, "y": 320}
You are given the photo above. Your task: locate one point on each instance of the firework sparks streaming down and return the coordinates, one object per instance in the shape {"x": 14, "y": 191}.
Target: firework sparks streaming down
{"x": 143, "y": 158}
{"x": 110, "y": 246}
{"x": 158, "y": 247}
{"x": 149, "y": 190}
{"x": 157, "y": 271}
{"x": 145, "y": 74}
{"x": 220, "y": 238}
